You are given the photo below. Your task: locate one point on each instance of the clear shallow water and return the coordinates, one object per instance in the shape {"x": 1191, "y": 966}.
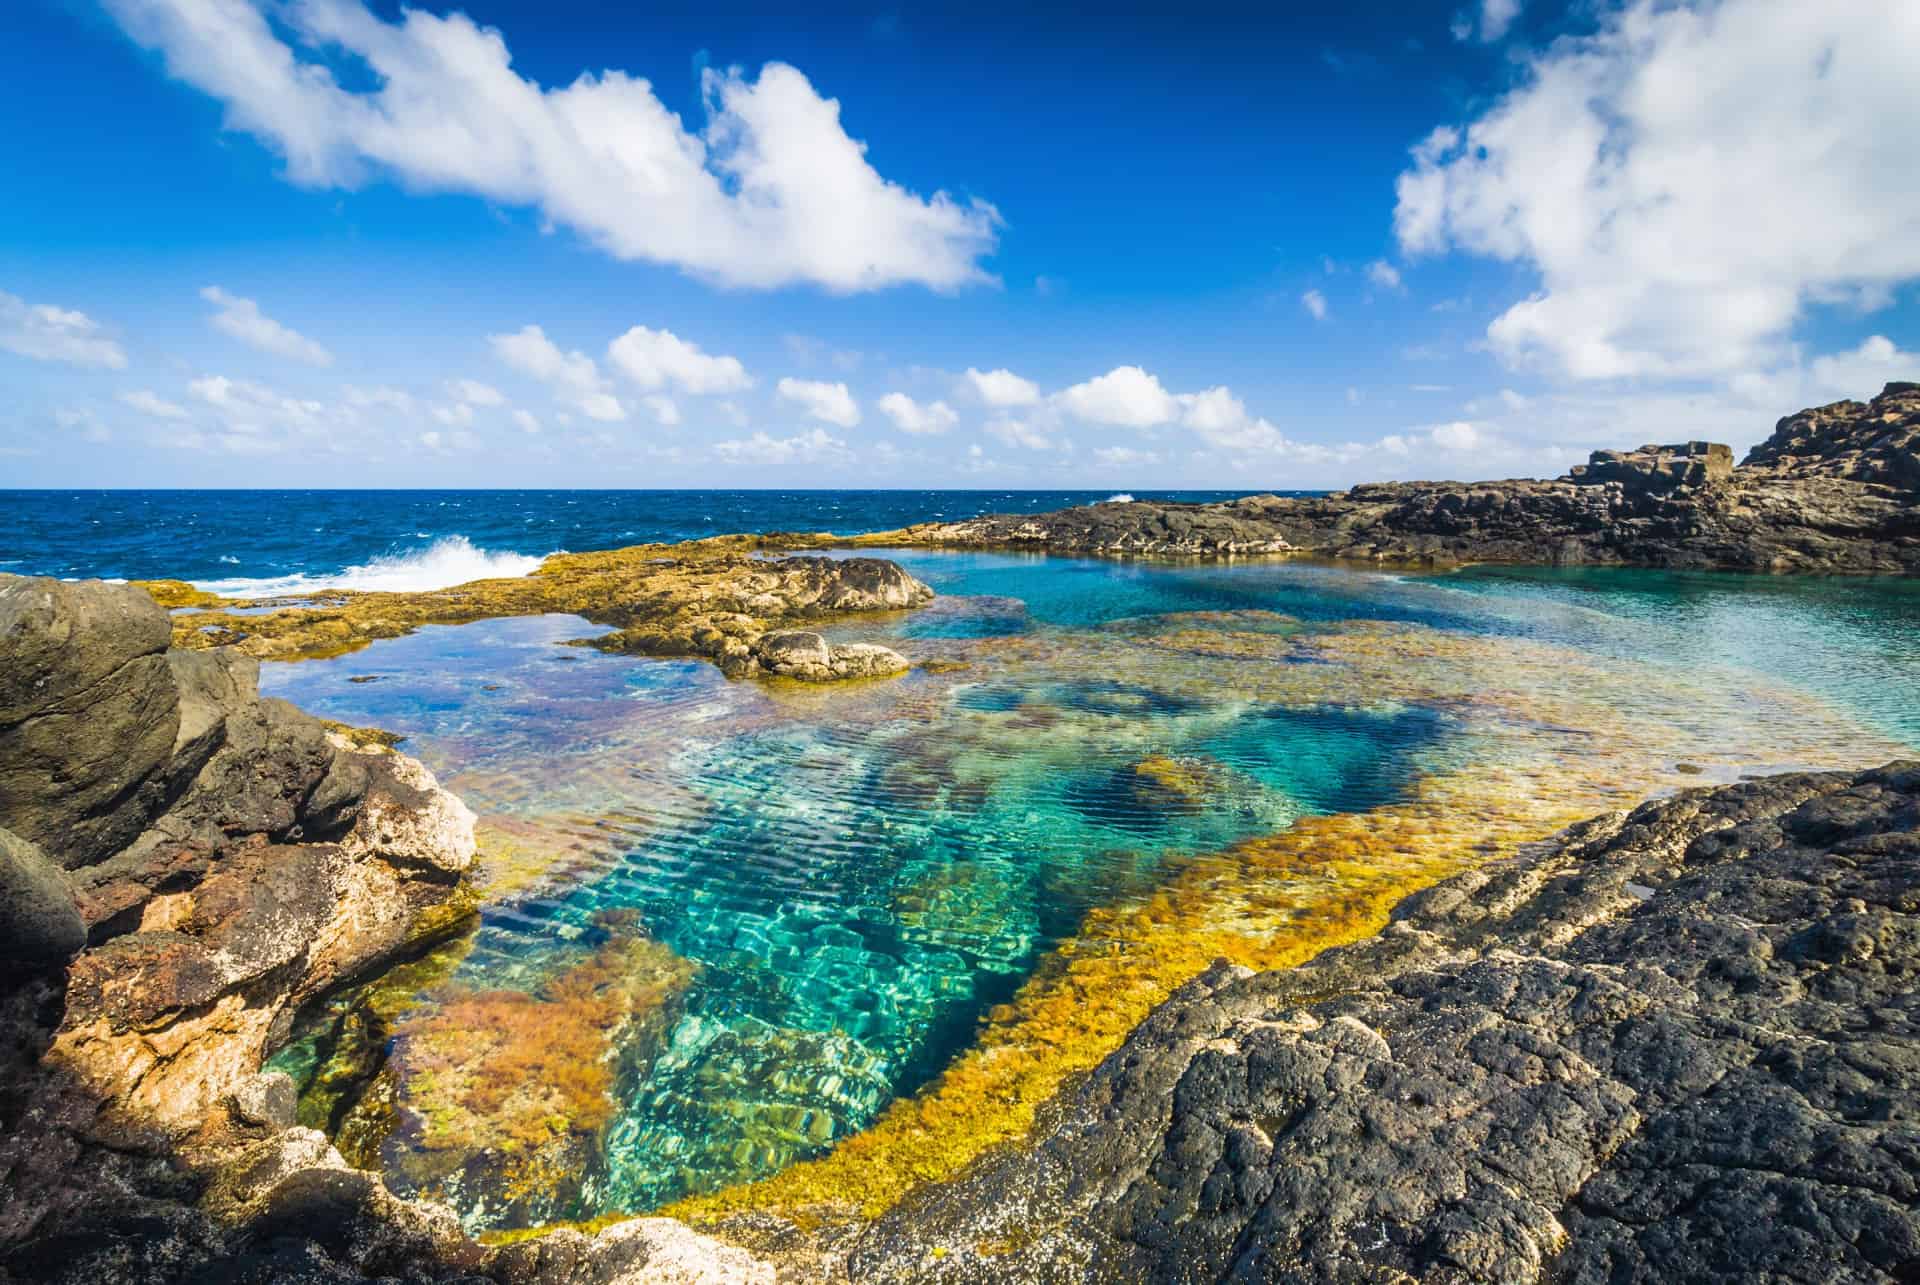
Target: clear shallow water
{"x": 865, "y": 879}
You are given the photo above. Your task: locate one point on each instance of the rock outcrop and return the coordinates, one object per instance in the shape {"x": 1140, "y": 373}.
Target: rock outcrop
{"x": 183, "y": 864}
{"x": 1676, "y": 1044}
{"x": 1835, "y": 489}
{"x": 707, "y": 598}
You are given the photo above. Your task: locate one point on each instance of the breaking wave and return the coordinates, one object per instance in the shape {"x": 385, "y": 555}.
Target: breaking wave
{"x": 450, "y": 560}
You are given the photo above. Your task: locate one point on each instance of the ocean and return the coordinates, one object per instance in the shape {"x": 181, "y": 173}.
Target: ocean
{"x": 265, "y": 542}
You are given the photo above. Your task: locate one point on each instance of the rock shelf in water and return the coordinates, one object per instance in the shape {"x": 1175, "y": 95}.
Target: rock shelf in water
{"x": 718, "y": 599}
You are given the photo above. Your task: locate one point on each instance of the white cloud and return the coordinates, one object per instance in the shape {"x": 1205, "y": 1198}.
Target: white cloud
{"x": 655, "y": 359}
{"x": 475, "y": 393}
{"x": 1315, "y": 303}
{"x": 1862, "y": 373}
{"x": 458, "y": 415}
{"x": 910, "y": 416}
{"x": 1686, "y": 182}
{"x": 242, "y": 319}
{"x": 150, "y": 403}
{"x": 1126, "y": 396}
{"x": 573, "y": 376}
{"x": 814, "y": 444}
{"x": 1497, "y": 17}
{"x": 83, "y": 424}
{"x": 1221, "y": 420}
{"x": 1384, "y": 275}
{"x": 1123, "y": 457}
{"x": 46, "y": 333}
{"x": 253, "y": 406}
{"x": 381, "y": 397}
{"x": 1003, "y": 388}
{"x": 664, "y": 409}
{"x": 831, "y": 403}
{"x": 772, "y": 191}
{"x": 1457, "y": 436}
{"x": 1021, "y": 433}
{"x": 527, "y": 420}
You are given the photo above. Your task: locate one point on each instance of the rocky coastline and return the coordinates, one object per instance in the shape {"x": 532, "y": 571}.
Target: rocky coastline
{"x": 1672, "y": 1043}
{"x": 1835, "y": 489}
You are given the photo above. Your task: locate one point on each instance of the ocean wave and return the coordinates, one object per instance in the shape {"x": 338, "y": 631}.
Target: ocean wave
{"x": 450, "y": 560}
{"x": 1119, "y": 497}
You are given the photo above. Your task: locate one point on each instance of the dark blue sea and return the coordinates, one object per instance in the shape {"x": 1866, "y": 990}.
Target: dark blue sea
{"x": 258, "y": 542}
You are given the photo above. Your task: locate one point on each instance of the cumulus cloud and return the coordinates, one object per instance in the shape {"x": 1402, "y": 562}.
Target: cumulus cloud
{"x": 815, "y": 444}
{"x": 1126, "y": 396}
{"x": 527, "y": 420}
{"x": 655, "y": 359}
{"x": 1123, "y": 457}
{"x": 1384, "y": 274}
{"x": 46, "y": 333}
{"x": 574, "y": 377}
{"x": 150, "y": 403}
{"x": 664, "y": 410}
{"x": 1685, "y": 182}
{"x": 242, "y": 319}
{"x": 1315, "y": 303}
{"x": 830, "y": 403}
{"x": 1003, "y": 388}
{"x": 1019, "y": 432}
{"x": 474, "y": 393}
{"x": 770, "y": 191}
{"x": 910, "y": 416}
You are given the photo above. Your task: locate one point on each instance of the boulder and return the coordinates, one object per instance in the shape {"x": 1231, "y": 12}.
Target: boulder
{"x": 89, "y": 714}
{"x": 809, "y": 657}
{"x": 40, "y": 926}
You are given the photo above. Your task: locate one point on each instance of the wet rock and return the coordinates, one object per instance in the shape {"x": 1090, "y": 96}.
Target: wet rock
{"x": 40, "y": 924}
{"x": 809, "y": 657}
{"x": 267, "y": 1100}
{"x": 1676, "y": 1044}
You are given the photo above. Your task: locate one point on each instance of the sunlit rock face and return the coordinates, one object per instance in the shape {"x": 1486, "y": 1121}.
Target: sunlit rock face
{"x": 878, "y": 926}
{"x": 185, "y": 864}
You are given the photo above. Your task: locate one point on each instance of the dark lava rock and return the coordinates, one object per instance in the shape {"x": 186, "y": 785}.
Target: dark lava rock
{"x": 1676, "y": 1044}
{"x": 1836, "y": 489}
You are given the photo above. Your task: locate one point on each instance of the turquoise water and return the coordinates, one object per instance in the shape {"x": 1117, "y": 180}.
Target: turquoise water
{"x": 862, "y": 874}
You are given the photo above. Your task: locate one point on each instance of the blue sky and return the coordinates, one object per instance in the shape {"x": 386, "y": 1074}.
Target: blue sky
{"x": 327, "y": 242}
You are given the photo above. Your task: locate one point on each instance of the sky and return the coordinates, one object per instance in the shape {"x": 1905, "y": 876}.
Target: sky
{"x": 350, "y": 243}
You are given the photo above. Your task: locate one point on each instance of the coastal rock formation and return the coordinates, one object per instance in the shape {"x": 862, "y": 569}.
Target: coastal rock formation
{"x": 1835, "y": 489}
{"x": 184, "y": 864}
{"x": 707, "y": 598}
{"x": 1675, "y": 1044}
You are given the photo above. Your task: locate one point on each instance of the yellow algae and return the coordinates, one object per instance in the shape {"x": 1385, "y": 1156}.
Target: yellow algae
{"x": 707, "y": 598}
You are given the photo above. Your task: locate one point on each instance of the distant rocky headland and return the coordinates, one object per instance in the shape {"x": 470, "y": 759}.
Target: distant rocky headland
{"x": 1836, "y": 489}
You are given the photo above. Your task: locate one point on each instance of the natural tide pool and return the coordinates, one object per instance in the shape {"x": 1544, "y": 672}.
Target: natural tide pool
{"x": 729, "y": 927}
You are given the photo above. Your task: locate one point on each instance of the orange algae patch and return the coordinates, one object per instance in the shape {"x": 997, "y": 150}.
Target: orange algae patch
{"x": 519, "y": 1082}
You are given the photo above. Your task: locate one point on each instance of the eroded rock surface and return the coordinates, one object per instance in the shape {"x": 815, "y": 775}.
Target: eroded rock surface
{"x": 1676, "y": 1044}
{"x": 1835, "y": 489}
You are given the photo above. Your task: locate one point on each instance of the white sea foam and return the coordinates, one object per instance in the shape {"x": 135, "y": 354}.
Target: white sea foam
{"x": 1119, "y": 497}
{"x": 450, "y": 560}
